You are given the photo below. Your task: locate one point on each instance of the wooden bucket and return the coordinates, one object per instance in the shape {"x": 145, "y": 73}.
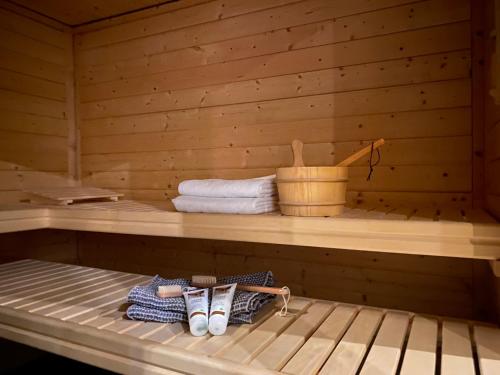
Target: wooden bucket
{"x": 312, "y": 191}
{"x": 315, "y": 191}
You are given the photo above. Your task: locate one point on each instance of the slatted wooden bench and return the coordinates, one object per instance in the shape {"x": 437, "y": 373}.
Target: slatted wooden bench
{"x": 78, "y": 312}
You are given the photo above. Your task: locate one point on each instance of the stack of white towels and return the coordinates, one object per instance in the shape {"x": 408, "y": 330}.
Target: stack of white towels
{"x": 251, "y": 196}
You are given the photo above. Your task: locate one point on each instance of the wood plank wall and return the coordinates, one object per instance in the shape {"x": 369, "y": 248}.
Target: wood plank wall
{"x": 220, "y": 89}
{"x": 34, "y": 104}
{"x": 44, "y": 244}
{"x": 437, "y": 285}
{"x": 492, "y": 120}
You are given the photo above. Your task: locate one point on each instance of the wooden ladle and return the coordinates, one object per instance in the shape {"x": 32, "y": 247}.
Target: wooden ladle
{"x": 358, "y": 155}
{"x": 299, "y": 162}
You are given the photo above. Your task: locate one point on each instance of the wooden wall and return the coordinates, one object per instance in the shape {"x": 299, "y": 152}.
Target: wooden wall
{"x": 221, "y": 88}
{"x": 45, "y": 244}
{"x": 36, "y": 104}
{"x": 437, "y": 285}
{"x": 492, "y": 117}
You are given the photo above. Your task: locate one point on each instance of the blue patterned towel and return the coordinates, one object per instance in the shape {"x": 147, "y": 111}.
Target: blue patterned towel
{"x": 148, "y": 307}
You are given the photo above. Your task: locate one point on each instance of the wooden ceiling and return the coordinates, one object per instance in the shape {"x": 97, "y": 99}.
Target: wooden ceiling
{"x": 78, "y": 12}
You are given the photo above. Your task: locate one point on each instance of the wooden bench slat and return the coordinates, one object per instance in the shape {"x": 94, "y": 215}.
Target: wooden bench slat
{"x": 18, "y": 266}
{"x": 316, "y": 350}
{"x": 289, "y": 342}
{"x": 488, "y": 349}
{"x": 385, "y": 352}
{"x": 28, "y": 293}
{"x": 47, "y": 279}
{"x": 122, "y": 325}
{"x": 186, "y": 340}
{"x": 34, "y": 274}
{"x": 350, "y": 351}
{"x": 116, "y": 300}
{"x": 145, "y": 329}
{"x": 246, "y": 349}
{"x": 456, "y": 354}
{"x": 105, "y": 319}
{"x": 89, "y": 286}
{"x": 168, "y": 332}
{"x": 420, "y": 354}
{"x": 234, "y": 333}
{"x": 70, "y": 309}
{"x": 27, "y": 269}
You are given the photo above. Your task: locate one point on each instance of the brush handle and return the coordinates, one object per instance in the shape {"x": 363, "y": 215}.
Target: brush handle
{"x": 358, "y": 155}
{"x": 245, "y": 287}
{"x": 261, "y": 289}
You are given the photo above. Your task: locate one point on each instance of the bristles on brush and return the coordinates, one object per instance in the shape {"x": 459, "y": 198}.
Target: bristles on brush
{"x": 202, "y": 281}
{"x": 165, "y": 291}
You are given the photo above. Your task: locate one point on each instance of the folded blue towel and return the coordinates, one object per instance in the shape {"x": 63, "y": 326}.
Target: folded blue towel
{"x": 148, "y": 307}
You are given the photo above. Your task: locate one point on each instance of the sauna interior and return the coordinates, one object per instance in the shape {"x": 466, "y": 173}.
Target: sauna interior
{"x": 136, "y": 97}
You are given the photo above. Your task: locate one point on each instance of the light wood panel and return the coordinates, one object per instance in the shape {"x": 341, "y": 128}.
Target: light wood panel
{"x": 394, "y": 178}
{"x": 84, "y": 11}
{"x": 396, "y": 152}
{"x": 427, "y": 68}
{"x": 176, "y": 16}
{"x": 295, "y": 38}
{"x": 422, "y": 96}
{"x": 301, "y": 13}
{"x": 202, "y": 97}
{"x": 35, "y": 104}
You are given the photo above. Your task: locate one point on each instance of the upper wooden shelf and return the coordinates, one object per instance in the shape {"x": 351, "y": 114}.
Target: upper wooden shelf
{"x": 441, "y": 232}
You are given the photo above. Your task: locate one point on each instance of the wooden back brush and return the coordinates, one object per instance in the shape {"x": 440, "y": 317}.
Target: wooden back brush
{"x": 202, "y": 281}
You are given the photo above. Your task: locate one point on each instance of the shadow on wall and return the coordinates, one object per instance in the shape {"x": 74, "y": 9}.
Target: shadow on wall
{"x": 436, "y": 285}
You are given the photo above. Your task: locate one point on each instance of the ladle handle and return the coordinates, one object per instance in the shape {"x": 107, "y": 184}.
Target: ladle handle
{"x": 358, "y": 155}
{"x": 297, "y": 153}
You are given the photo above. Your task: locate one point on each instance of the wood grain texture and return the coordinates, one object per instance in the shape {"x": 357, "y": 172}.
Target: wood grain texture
{"x": 91, "y": 327}
{"x": 51, "y": 245}
{"x": 35, "y": 104}
{"x": 445, "y": 287}
{"x": 84, "y": 11}
{"x": 224, "y": 90}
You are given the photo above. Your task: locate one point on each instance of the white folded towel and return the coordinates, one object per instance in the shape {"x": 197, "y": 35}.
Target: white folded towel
{"x": 250, "y": 188}
{"x": 187, "y": 203}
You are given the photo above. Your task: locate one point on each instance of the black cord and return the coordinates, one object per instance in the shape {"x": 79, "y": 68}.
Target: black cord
{"x": 371, "y": 162}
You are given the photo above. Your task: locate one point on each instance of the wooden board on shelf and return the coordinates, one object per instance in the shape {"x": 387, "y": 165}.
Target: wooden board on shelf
{"x": 68, "y": 195}
{"x": 91, "y": 327}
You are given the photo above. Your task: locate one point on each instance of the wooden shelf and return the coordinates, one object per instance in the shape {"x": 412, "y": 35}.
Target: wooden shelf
{"x": 455, "y": 233}
{"x": 79, "y": 312}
